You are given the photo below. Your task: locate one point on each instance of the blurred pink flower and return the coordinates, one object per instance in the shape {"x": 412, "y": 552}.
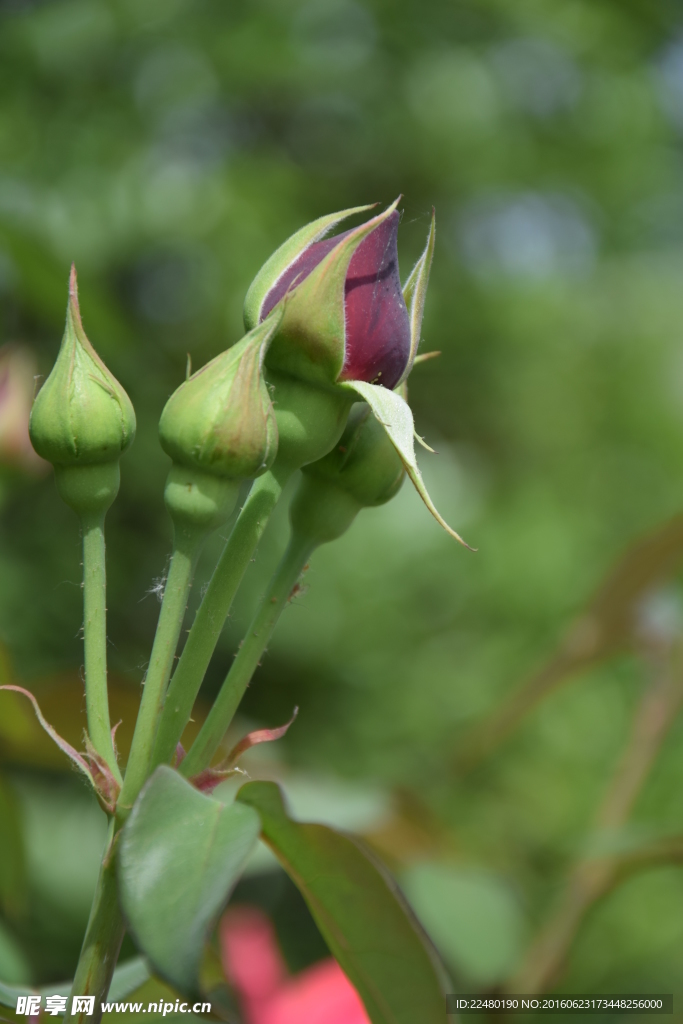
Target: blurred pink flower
{"x": 321, "y": 994}
{"x": 17, "y": 371}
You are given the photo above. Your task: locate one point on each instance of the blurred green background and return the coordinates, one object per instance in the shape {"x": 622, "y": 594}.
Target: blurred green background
{"x": 168, "y": 146}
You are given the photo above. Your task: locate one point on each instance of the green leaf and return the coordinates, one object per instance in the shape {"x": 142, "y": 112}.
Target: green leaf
{"x": 14, "y": 966}
{"x": 364, "y": 921}
{"x": 10, "y": 993}
{"x": 179, "y": 856}
{"x": 472, "y": 915}
{"x": 393, "y": 412}
{"x": 128, "y": 977}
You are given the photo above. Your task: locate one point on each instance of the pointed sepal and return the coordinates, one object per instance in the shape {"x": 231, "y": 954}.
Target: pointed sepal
{"x": 288, "y": 253}
{"x": 207, "y": 780}
{"x": 90, "y": 764}
{"x": 397, "y": 419}
{"x": 415, "y": 293}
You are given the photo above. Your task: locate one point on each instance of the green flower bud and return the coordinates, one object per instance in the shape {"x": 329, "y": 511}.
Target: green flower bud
{"x": 81, "y": 416}
{"x": 365, "y": 463}
{"x": 362, "y": 471}
{"x": 310, "y": 419}
{"x": 221, "y": 421}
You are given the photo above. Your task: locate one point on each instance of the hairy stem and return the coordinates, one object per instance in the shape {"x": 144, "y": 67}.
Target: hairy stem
{"x": 181, "y": 571}
{"x": 95, "y": 638}
{"x": 247, "y": 659}
{"x": 101, "y": 944}
{"x": 213, "y": 611}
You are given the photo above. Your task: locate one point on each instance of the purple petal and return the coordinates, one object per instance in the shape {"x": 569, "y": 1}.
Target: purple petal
{"x": 377, "y": 322}
{"x": 298, "y": 270}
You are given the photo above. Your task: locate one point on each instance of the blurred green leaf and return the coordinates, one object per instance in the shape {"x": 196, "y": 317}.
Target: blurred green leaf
{"x": 614, "y": 619}
{"x": 64, "y": 836}
{"x": 14, "y": 966}
{"x": 128, "y": 977}
{"x": 179, "y": 856}
{"x": 9, "y": 994}
{"x": 12, "y": 855}
{"x": 358, "y": 911}
{"x": 472, "y": 917}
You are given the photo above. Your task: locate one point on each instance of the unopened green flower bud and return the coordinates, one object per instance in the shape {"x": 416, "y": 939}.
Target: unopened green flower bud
{"x": 221, "y": 420}
{"x": 365, "y": 463}
{"x": 81, "y": 415}
{"x": 310, "y": 419}
{"x": 82, "y": 420}
{"x": 362, "y": 471}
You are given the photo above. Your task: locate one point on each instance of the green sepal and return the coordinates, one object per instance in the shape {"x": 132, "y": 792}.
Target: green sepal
{"x": 310, "y": 342}
{"x": 415, "y": 293}
{"x": 221, "y": 419}
{"x": 81, "y": 415}
{"x": 273, "y": 269}
{"x": 397, "y": 419}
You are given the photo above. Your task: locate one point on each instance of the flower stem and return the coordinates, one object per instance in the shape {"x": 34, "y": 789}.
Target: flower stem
{"x": 214, "y": 609}
{"x": 101, "y": 944}
{"x": 180, "y": 573}
{"x": 243, "y": 667}
{"x": 95, "y": 638}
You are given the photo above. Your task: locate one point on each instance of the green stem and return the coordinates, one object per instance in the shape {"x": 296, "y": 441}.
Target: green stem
{"x": 213, "y": 611}
{"x": 243, "y": 667}
{"x": 181, "y": 570}
{"x": 101, "y": 944}
{"x": 95, "y": 638}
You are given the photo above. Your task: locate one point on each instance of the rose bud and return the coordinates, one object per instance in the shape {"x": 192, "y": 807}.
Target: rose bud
{"x": 362, "y": 471}
{"x": 219, "y": 427}
{"x": 17, "y": 384}
{"x": 82, "y": 420}
{"x": 346, "y": 318}
{"x": 346, "y": 324}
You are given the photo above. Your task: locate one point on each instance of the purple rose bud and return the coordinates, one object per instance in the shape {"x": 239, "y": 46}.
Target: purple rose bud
{"x": 347, "y": 318}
